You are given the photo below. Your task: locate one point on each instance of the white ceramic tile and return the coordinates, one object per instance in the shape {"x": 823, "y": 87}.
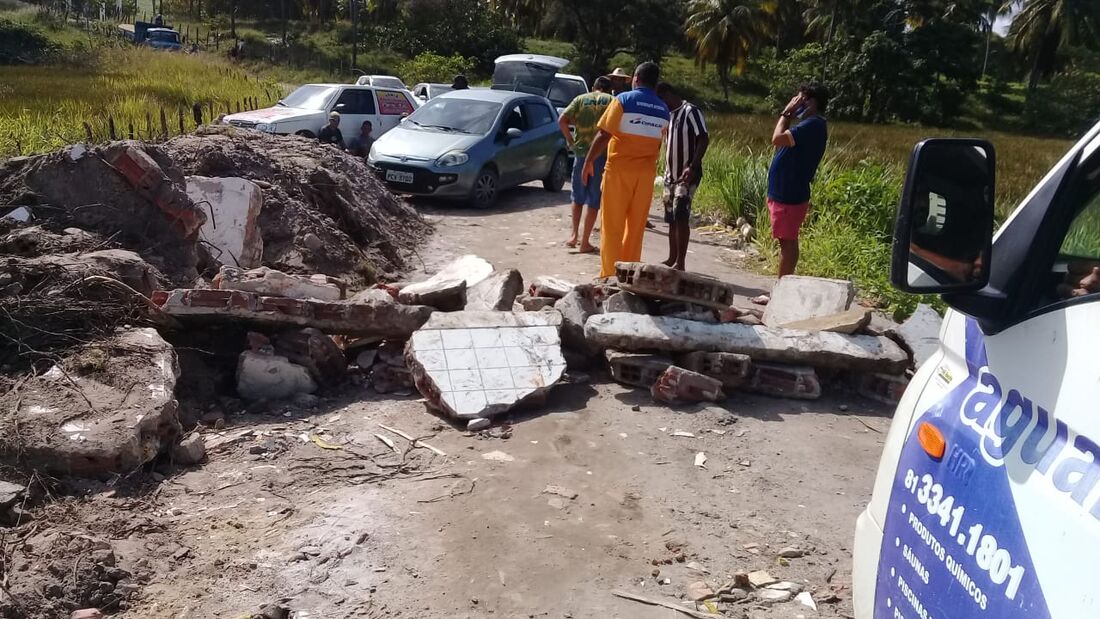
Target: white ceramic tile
{"x": 469, "y": 402}
{"x": 443, "y": 381}
{"x": 488, "y": 358}
{"x": 527, "y": 377}
{"x": 455, "y": 339}
{"x": 486, "y": 338}
{"x": 431, "y": 359}
{"x": 501, "y": 396}
{"x": 542, "y": 335}
{"x": 427, "y": 340}
{"x": 512, "y": 336}
{"x": 497, "y": 379}
{"x": 517, "y": 357}
{"x": 461, "y": 359}
{"x": 465, "y": 380}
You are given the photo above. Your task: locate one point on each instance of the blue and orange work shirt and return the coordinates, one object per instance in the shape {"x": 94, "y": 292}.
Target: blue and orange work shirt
{"x": 637, "y": 121}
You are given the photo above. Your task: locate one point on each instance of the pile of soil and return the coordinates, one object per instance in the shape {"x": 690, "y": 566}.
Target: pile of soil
{"x": 324, "y": 211}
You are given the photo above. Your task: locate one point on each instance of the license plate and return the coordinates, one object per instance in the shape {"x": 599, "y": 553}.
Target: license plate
{"x": 396, "y": 176}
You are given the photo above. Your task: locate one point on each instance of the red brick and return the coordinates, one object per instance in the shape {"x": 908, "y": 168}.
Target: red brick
{"x": 885, "y": 388}
{"x": 679, "y": 385}
{"x": 785, "y": 381}
{"x": 731, "y": 369}
{"x": 637, "y": 370}
{"x": 657, "y": 280}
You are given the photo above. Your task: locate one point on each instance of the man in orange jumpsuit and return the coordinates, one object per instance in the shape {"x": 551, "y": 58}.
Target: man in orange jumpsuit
{"x": 630, "y": 132}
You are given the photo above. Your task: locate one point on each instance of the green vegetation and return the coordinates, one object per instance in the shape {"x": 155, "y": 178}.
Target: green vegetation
{"x": 44, "y": 108}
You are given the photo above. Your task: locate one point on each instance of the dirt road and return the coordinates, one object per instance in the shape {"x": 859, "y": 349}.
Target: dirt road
{"x": 307, "y": 506}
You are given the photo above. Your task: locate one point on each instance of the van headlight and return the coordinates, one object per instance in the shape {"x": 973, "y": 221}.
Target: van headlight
{"x": 265, "y": 127}
{"x": 452, "y": 159}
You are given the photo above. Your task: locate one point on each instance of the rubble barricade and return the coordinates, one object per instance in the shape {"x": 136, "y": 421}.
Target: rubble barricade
{"x": 661, "y": 282}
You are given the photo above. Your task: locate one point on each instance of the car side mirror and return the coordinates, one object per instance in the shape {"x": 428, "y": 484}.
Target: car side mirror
{"x": 340, "y": 106}
{"x": 512, "y": 133}
{"x": 943, "y": 234}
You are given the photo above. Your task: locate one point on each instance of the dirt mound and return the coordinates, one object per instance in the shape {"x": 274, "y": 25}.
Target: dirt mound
{"x": 323, "y": 210}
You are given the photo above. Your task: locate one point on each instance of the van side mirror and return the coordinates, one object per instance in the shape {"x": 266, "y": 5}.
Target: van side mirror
{"x": 943, "y": 234}
{"x": 512, "y": 133}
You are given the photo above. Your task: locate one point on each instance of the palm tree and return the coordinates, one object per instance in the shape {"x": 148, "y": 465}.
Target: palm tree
{"x": 1043, "y": 27}
{"x": 726, "y": 33}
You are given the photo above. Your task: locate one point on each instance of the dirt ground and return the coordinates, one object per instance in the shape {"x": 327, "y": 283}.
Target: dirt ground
{"x": 306, "y": 506}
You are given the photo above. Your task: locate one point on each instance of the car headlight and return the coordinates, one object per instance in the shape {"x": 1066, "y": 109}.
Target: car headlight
{"x": 265, "y": 127}
{"x": 453, "y": 158}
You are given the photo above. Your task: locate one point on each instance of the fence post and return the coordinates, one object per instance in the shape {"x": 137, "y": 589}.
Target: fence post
{"x": 148, "y": 125}
{"x": 180, "y": 110}
{"x": 111, "y": 127}
{"x": 163, "y": 124}
{"x": 227, "y": 110}
{"x": 131, "y": 128}
{"x": 196, "y": 111}
{"x": 238, "y": 106}
{"x": 210, "y": 105}
{"x": 88, "y": 132}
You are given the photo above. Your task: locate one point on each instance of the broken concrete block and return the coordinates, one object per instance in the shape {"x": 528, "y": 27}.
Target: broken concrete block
{"x": 624, "y": 301}
{"x": 315, "y": 351}
{"x": 480, "y": 364}
{"x": 731, "y": 369}
{"x": 545, "y": 286}
{"x": 271, "y": 377}
{"x": 575, "y": 309}
{"x": 370, "y": 318}
{"x": 233, "y": 205}
{"x": 469, "y": 268}
{"x": 797, "y": 297}
{"x": 687, "y": 311}
{"x": 785, "y": 381}
{"x": 528, "y": 303}
{"x": 850, "y": 321}
{"x": 921, "y": 333}
{"x": 10, "y": 494}
{"x": 495, "y": 293}
{"x": 478, "y": 424}
{"x": 885, "y": 388}
{"x": 448, "y": 295}
{"x": 377, "y": 295}
{"x": 86, "y": 613}
{"x": 699, "y": 591}
{"x": 104, "y": 408}
{"x": 272, "y": 283}
{"x": 639, "y": 370}
{"x": 679, "y": 385}
{"x": 634, "y": 332}
{"x": 880, "y": 324}
{"x": 191, "y": 450}
{"x": 661, "y": 282}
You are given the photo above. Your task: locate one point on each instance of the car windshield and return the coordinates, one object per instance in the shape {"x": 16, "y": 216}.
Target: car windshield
{"x": 459, "y": 115}
{"x": 168, "y": 37}
{"x": 309, "y": 97}
{"x": 563, "y": 91}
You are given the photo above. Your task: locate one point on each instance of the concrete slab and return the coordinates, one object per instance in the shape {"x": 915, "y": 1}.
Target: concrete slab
{"x": 634, "y": 332}
{"x": 269, "y": 282}
{"x": 661, "y": 282}
{"x": 850, "y": 321}
{"x": 447, "y": 295}
{"x": 233, "y": 207}
{"x": 369, "y": 318}
{"x": 480, "y": 364}
{"x": 921, "y": 333}
{"x": 497, "y": 292}
{"x": 797, "y": 297}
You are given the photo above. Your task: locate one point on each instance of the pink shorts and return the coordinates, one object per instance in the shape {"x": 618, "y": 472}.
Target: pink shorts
{"x": 787, "y": 219}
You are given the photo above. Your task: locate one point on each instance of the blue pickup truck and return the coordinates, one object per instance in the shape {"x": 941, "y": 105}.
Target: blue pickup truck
{"x": 151, "y": 34}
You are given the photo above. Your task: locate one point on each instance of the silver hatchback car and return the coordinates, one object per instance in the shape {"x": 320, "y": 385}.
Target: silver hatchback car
{"x": 471, "y": 144}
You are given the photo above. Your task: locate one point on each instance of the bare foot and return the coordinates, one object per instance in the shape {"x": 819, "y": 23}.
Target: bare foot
{"x": 669, "y": 262}
{"x": 761, "y": 300}
{"x": 588, "y": 249}
{"x": 571, "y": 243}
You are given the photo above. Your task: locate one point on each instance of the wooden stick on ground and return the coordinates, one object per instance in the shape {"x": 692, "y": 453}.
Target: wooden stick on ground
{"x": 652, "y": 602}
{"x": 415, "y": 442}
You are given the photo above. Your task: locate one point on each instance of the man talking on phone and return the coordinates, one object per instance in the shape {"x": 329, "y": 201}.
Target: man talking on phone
{"x": 799, "y": 152}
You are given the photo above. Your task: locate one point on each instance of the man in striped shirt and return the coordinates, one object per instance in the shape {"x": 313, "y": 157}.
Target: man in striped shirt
{"x": 684, "y": 149}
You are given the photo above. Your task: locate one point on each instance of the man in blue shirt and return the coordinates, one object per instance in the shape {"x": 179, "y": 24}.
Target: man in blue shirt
{"x": 800, "y": 149}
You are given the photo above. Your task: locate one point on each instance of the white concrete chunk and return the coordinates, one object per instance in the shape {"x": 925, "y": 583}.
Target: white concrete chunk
{"x": 921, "y": 333}
{"x": 797, "y": 297}
{"x": 480, "y": 364}
{"x": 495, "y": 293}
{"x": 635, "y": 332}
{"x": 232, "y": 206}
{"x": 271, "y": 377}
{"x": 270, "y": 282}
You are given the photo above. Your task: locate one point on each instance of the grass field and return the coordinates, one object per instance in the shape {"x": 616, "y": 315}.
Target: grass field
{"x": 855, "y": 194}
{"x": 44, "y": 107}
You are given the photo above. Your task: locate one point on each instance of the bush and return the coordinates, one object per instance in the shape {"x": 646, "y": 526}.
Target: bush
{"x": 1067, "y": 105}
{"x": 24, "y": 44}
{"x": 449, "y": 28}
{"x": 429, "y": 67}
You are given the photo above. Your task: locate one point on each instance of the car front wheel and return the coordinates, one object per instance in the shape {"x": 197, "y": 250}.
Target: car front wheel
{"x": 558, "y": 171}
{"x": 486, "y": 189}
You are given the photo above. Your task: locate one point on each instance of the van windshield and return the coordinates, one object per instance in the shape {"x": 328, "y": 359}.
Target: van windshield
{"x": 309, "y": 97}
{"x": 164, "y": 36}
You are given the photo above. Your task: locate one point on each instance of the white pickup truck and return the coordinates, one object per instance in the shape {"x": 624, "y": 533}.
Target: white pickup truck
{"x": 305, "y": 111}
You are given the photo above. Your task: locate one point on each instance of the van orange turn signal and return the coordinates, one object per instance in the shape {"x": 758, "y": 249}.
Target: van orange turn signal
{"x": 931, "y": 439}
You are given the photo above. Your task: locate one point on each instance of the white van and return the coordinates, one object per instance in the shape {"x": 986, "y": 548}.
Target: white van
{"x": 987, "y": 499}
